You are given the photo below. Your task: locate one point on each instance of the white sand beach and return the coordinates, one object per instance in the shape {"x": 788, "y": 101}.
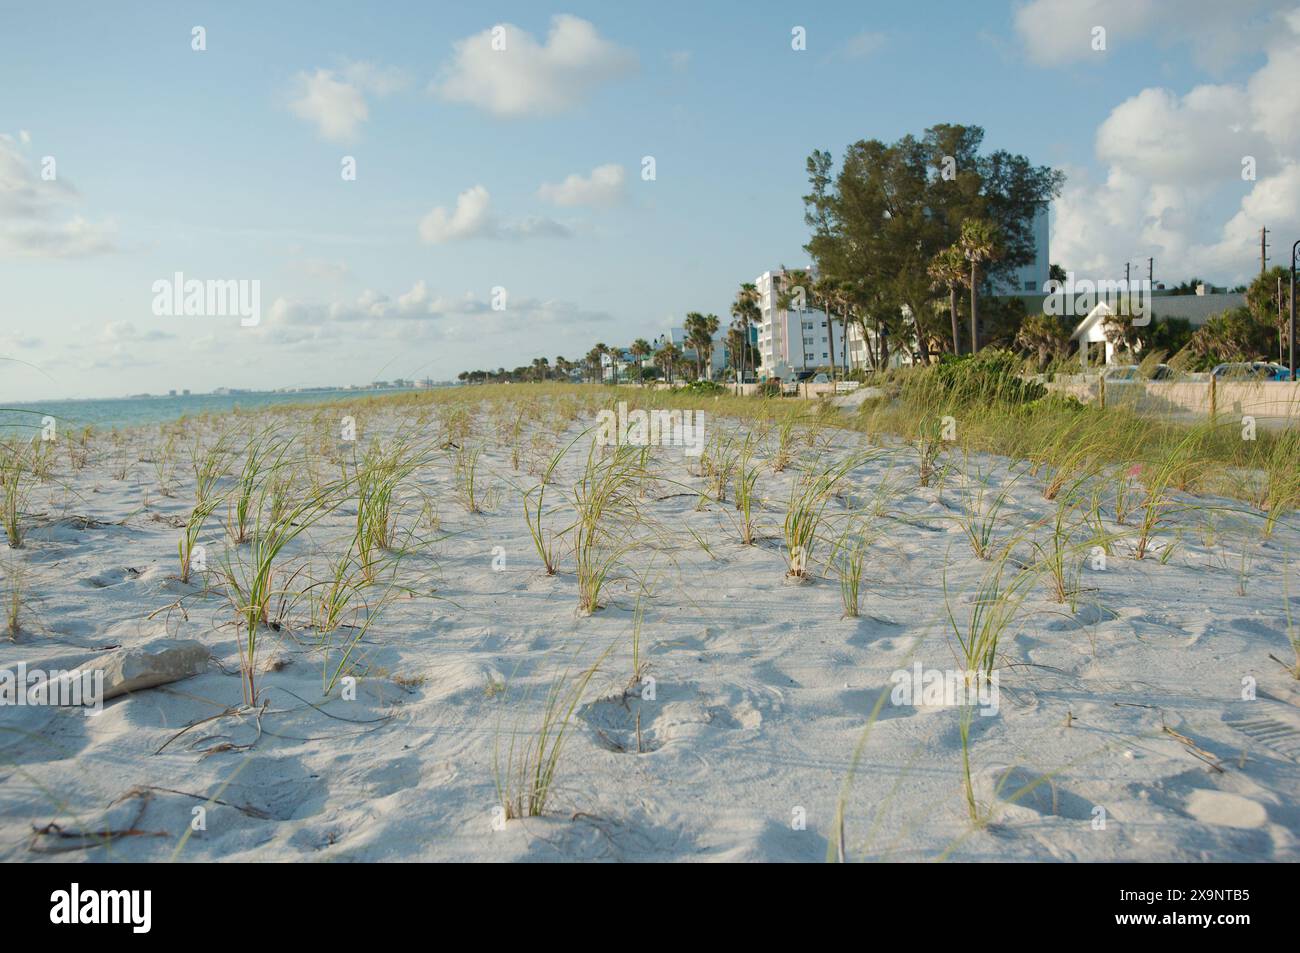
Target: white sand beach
{"x": 1141, "y": 719}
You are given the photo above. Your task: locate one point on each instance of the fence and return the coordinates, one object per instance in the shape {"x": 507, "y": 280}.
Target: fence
{"x": 1277, "y": 401}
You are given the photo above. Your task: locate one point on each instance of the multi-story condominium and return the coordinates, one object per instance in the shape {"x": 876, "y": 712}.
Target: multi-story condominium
{"x": 791, "y": 339}
{"x": 1033, "y": 277}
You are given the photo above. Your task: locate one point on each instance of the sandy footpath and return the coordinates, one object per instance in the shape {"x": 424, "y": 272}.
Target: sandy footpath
{"x": 1121, "y": 732}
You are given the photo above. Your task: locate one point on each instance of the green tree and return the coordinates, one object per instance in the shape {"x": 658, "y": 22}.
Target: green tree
{"x": 879, "y": 222}
{"x": 640, "y": 350}
{"x": 668, "y": 358}
{"x": 1269, "y": 307}
{"x": 948, "y": 271}
{"x": 700, "y": 329}
{"x": 746, "y": 311}
{"x": 980, "y": 243}
{"x": 1045, "y": 335}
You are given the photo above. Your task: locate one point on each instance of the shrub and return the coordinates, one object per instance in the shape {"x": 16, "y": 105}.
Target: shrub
{"x": 991, "y": 376}
{"x": 703, "y": 387}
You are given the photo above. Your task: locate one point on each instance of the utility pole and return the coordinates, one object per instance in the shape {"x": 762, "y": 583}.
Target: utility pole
{"x": 1263, "y": 250}
{"x": 1279, "y": 319}
{"x": 1151, "y": 273}
{"x": 1294, "y": 249}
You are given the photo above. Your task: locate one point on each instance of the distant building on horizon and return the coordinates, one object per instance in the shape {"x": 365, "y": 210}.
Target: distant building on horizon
{"x": 677, "y": 336}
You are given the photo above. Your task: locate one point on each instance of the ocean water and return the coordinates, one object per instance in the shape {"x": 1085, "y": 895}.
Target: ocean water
{"x": 140, "y": 411}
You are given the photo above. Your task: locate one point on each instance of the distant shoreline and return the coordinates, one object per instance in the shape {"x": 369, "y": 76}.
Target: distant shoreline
{"x": 123, "y": 412}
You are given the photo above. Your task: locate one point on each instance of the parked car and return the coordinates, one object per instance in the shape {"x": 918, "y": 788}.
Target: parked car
{"x": 1251, "y": 371}
{"x": 1132, "y": 374}
{"x": 792, "y": 386}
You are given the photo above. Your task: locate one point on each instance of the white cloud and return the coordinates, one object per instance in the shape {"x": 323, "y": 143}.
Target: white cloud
{"x": 472, "y": 218}
{"x": 374, "y": 78}
{"x": 1059, "y": 32}
{"x": 535, "y": 226}
{"x": 1274, "y": 90}
{"x": 528, "y": 78}
{"x": 37, "y": 216}
{"x": 1188, "y": 140}
{"x": 335, "y": 106}
{"x": 1273, "y": 199}
{"x": 335, "y": 100}
{"x": 1173, "y": 186}
{"x": 322, "y": 270}
{"x": 413, "y": 299}
{"x": 124, "y": 332}
{"x": 603, "y": 187}
{"x": 416, "y": 314}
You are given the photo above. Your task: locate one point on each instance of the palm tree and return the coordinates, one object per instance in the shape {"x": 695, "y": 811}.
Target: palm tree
{"x": 668, "y": 357}
{"x": 700, "y": 329}
{"x": 745, "y": 310}
{"x": 979, "y": 243}
{"x": 797, "y": 289}
{"x": 601, "y": 350}
{"x": 831, "y": 295}
{"x": 1043, "y": 335}
{"x": 640, "y": 350}
{"x": 709, "y": 328}
{"x": 840, "y": 297}
{"x": 948, "y": 270}
{"x": 693, "y": 335}
{"x": 735, "y": 345}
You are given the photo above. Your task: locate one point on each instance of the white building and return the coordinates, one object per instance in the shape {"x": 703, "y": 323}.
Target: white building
{"x": 857, "y": 349}
{"x": 677, "y": 336}
{"x": 791, "y": 339}
{"x": 617, "y": 364}
{"x": 1195, "y": 309}
{"x": 1034, "y": 276}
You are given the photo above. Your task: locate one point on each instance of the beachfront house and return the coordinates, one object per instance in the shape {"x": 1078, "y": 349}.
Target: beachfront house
{"x": 1090, "y": 334}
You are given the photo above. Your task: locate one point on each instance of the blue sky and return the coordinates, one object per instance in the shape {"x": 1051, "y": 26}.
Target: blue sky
{"x": 225, "y": 164}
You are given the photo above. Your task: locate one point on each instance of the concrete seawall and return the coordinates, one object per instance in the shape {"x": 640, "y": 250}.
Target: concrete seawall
{"x": 1275, "y": 400}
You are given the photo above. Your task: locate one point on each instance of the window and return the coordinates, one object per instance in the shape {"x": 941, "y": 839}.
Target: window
{"x": 1031, "y": 286}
